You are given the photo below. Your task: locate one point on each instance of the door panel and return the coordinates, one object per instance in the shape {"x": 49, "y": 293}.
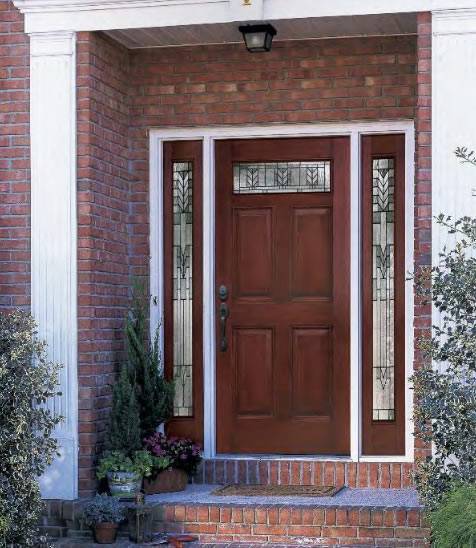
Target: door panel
{"x": 253, "y": 358}
{"x": 311, "y": 235}
{"x": 282, "y": 251}
{"x": 311, "y": 372}
{"x": 253, "y": 261}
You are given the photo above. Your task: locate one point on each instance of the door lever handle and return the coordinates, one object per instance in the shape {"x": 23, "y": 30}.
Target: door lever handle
{"x": 224, "y": 313}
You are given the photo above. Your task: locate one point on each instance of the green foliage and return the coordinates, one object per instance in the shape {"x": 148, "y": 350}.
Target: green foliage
{"x": 140, "y": 462}
{"x": 445, "y": 411}
{"x": 155, "y": 394}
{"x": 453, "y": 524}
{"x": 160, "y": 464}
{"x": 102, "y": 509}
{"x": 124, "y": 431}
{"x": 27, "y": 381}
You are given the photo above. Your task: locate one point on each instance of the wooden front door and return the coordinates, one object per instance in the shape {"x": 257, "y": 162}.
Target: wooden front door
{"x": 282, "y": 294}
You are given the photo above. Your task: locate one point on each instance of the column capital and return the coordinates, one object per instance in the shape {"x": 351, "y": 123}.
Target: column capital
{"x": 454, "y": 21}
{"x": 52, "y": 43}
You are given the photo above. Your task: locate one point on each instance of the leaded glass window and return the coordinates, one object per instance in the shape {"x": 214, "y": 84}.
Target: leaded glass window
{"x": 281, "y": 177}
{"x": 383, "y": 291}
{"x": 182, "y": 287}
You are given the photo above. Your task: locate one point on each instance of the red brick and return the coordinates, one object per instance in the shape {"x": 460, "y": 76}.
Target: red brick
{"x": 375, "y": 532}
{"x": 341, "y": 517}
{"x": 330, "y": 516}
{"x": 203, "y": 514}
{"x": 225, "y": 515}
{"x": 413, "y": 518}
{"x": 304, "y": 531}
{"x": 259, "y": 529}
{"x": 237, "y": 515}
{"x": 284, "y": 516}
{"x": 411, "y": 532}
{"x": 249, "y": 515}
{"x": 337, "y": 532}
{"x": 233, "y": 528}
{"x": 273, "y": 516}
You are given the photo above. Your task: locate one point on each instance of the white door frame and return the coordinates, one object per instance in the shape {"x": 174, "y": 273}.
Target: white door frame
{"x": 208, "y": 136}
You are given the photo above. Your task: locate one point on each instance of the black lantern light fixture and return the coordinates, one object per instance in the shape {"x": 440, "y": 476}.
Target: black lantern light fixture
{"x": 258, "y": 38}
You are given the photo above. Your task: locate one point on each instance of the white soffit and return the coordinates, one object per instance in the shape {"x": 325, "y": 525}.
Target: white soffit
{"x": 295, "y": 29}
{"x": 92, "y": 15}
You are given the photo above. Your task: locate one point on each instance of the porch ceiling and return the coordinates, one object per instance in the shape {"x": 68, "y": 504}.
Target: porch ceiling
{"x": 288, "y": 29}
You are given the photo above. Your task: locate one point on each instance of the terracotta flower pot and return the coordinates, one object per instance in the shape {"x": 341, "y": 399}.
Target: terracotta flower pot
{"x": 168, "y": 481}
{"x": 105, "y": 533}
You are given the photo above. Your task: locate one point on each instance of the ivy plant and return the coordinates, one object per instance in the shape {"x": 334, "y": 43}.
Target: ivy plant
{"x": 445, "y": 387}
{"x": 27, "y": 446}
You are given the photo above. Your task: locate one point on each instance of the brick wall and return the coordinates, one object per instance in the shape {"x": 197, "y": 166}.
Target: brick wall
{"x": 14, "y": 160}
{"x": 103, "y": 238}
{"x": 423, "y": 211}
{"x": 299, "y": 81}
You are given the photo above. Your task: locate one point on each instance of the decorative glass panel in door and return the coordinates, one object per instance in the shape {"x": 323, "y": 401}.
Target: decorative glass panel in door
{"x": 383, "y": 267}
{"x": 281, "y": 177}
{"x": 183, "y": 286}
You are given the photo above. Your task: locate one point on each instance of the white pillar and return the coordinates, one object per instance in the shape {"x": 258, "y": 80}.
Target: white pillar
{"x": 454, "y": 117}
{"x": 53, "y": 235}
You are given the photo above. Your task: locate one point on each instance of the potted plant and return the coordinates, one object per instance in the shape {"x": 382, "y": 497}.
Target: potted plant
{"x": 184, "y": 457}
{"x": 160, "y": 481}
{"x": 103, "y": 514}
{"x": 124, "y": 474}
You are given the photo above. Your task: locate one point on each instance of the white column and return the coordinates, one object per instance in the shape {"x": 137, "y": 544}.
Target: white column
{"x": 454, "y": 117}
{"x": 53, "y": 235}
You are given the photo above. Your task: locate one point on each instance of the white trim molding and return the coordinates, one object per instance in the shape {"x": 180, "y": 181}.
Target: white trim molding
{"x": 354, "y": 131}
{"x": 453, "y": 120}
{"x": 90, "y": 15}
{"x": 53, "y": 236}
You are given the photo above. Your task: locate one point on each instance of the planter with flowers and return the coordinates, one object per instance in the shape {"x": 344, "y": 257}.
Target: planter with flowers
{"x": 103, "y": 514}
{"x": 124, "y": 474}
{"x": 176, "y": 460}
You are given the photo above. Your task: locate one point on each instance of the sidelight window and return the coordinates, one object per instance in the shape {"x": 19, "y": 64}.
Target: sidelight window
{"x": 383, "y": 294}
{"x": 183, "y": 311}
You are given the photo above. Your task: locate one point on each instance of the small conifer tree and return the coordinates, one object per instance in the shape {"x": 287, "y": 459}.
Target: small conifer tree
{"x": 154, "y": 393}
{"x": 124, "y": 432}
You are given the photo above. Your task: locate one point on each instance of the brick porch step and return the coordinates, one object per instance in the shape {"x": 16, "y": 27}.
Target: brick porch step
{"x": 310, "y": 471}
{"x": 354, "y": 517}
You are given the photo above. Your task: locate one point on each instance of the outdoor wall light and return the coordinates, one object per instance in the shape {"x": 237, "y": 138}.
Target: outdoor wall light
{"x": 258, "y": 38}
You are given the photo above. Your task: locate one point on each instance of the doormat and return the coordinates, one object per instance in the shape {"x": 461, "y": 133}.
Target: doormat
{"x": 242, "y": 490}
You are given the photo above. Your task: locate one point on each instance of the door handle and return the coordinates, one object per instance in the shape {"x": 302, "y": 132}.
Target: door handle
{"x": 224, "y": 313}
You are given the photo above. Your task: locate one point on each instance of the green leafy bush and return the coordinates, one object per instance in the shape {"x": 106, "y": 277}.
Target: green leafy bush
{"x": 445, "y": 388}
{"x": 454, "y": 522}
{"x": 27, "y": 446}
{"x": 141, "y": 463}
{"x": 103, "y": 509}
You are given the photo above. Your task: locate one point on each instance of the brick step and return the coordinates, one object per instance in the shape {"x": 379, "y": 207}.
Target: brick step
{"x": 270, "y": 471}
{"x": 396, "y": 521}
